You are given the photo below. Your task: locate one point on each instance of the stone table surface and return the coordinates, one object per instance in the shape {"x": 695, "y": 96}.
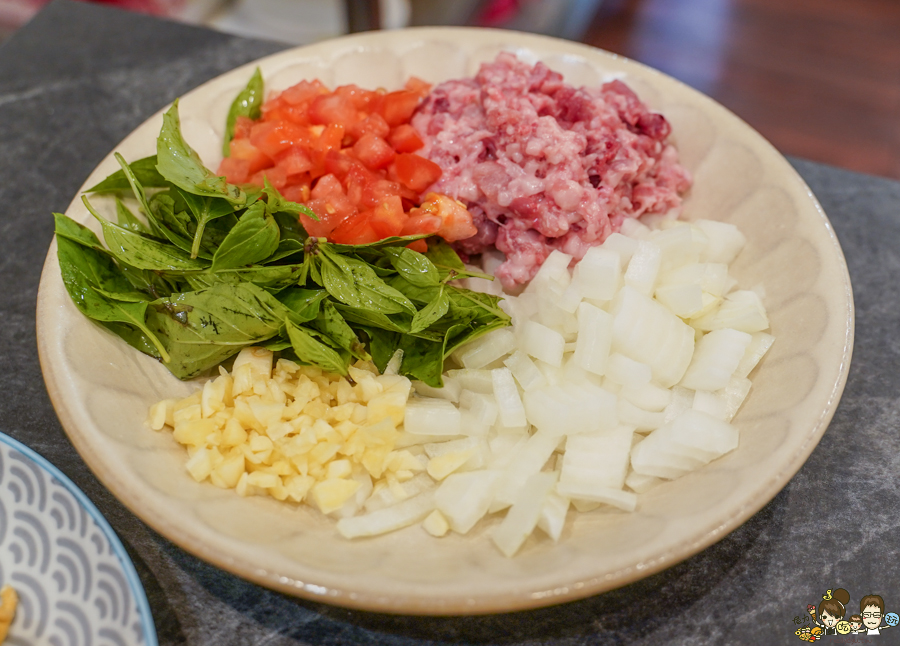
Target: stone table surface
{"x": 80, "y": 77}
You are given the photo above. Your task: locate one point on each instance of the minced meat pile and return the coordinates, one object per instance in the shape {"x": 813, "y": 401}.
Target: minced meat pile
{"x": 542, "y": 165}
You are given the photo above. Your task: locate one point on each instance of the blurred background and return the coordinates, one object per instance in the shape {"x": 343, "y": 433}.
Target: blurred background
{"x": 819, "y": 78}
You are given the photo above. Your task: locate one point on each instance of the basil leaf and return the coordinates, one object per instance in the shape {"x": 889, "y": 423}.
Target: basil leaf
{"x": 354, "y": 283}
{"x": 413, "y": 266}
{"x": 423, "y": 360}
{"x": 246, "y": 104}
{"x": 429, "y": 314}
{"x": 272, "y": 279}
{"x": 145, "y": 171}
{"x": 374, "y": 319}
{"x": 393, "y": 241}
{"x": 93, "y": 281}
{"x": 332, "y": 324}
{"x": 135, "y": 184}
{"x": 180, "y": 164}
{"x": 302, "y": 303}
{"x": 169, "y": 224}
{"x": 443, "y": 256}
{"x": 66, "y": 227}
{"x": 253, "y": 238}
{"x": 142, "y": 252}
{"x": 205, "y": 209}
{"x": 277, "y": 204}
{"x": 203, "y": 328}
{"x": 134, "y": 337}
{"x": 127, "y": 219}
{"x": 312, "y": 351}
{"x": 382, "y": 345}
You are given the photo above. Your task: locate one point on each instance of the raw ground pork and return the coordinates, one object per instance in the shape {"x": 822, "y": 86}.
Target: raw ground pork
{"x": 542, "y": 165}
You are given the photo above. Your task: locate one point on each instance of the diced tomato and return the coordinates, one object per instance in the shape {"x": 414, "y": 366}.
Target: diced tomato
{"x": 398, "y": 107}
{"x": 456, "y": 221}
{"x": 242, "y": 149}
{"x": 388, "y": 218}
{"x": 421, "y": 222}
{"x": 355, "y": 230}
{"x": 418, "y": 245}
{"x": 295, "y": 160}
{"x": 276, "y": 176}
{"x": 373, "y": 151}
{"x": 332, "y": 109}
{"x": 297, "y": 192}
{"x": 274, "y": 137}
{"x": 303, "y": 92}
{"x": 405, "y": 139}
{"x": 372, "y": 124}
{"x": 349, "y": 156}
{"x": 361, "y": 99}
{"x": 416, "y": 172}
{"x": 236, "y": 171}
{"x": 242, "y": 126}
{"x": 417, "y": 85}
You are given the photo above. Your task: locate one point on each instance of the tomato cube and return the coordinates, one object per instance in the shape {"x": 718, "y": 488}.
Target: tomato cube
{"x": 399, "y": 106}
{"x": 328, "y": 109}
{"x": 405, "y": 139}
{"x": 416, "y": 172}
{"x": 373, "y": 151}
{"x": 388, "y": 218}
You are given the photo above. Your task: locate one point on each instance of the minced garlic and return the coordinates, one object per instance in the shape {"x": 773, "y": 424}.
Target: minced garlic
{"x": 295, "y": 433}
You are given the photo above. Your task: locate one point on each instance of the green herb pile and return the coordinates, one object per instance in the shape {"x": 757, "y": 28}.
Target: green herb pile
{"x": 213, "y": 267}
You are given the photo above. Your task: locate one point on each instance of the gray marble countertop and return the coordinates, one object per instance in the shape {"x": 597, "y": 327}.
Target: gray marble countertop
{"x": 80, "y": 77}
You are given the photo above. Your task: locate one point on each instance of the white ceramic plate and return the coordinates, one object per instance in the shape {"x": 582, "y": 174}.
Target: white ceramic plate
{"x": 101, "y": 388}
{"x": 75, "y": 582}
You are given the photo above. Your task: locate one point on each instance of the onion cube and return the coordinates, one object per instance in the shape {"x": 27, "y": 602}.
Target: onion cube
{"x": 506, "y": 394}
{"x": 760, "y": 343}
{"x": 725, "y": 241}
{"x": 524, "y": 370}
{"x": 388, "y": 519}
{"x": 734, "y": 395}
{"x": 542, "y": 343}
{"x": 483, "y": 408}
{"x": 622, "y": 245}
{"x": 571, "y": 409}
{"x": 710, "y": 403}
{"x": 624, "y": 500}
{"x": 431, "y": 417}
{"x": 626, "y": 371}
{"x": 553, "y": 515}
{"x": 598, "y": 460}
{"x": 594, "y": 338}
{"x": 598, "y": 274}
{"x": 643, "y": 268}
{"x": 683, "y": 300}
{"x": 742, "y": 310}
{"x": 646, "y": 331}
{"x": 450, "y": 391}
{"x": 463, "y": 498}
{"x": 478, "y": 381}
{"x": 523, "y": 516}
{"x": 486, "y": 349}
{"x": 677, "y": 246}
{"x": 639, "y": 483}
{"x": 715, "y": 359}
{"x": 529, "y": 459}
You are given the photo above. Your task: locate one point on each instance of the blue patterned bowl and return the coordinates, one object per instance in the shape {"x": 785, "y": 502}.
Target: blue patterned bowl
{"x": 75, "y": 582}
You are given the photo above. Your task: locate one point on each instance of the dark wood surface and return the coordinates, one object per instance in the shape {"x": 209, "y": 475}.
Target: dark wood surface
{"x": 819, "y": 78}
